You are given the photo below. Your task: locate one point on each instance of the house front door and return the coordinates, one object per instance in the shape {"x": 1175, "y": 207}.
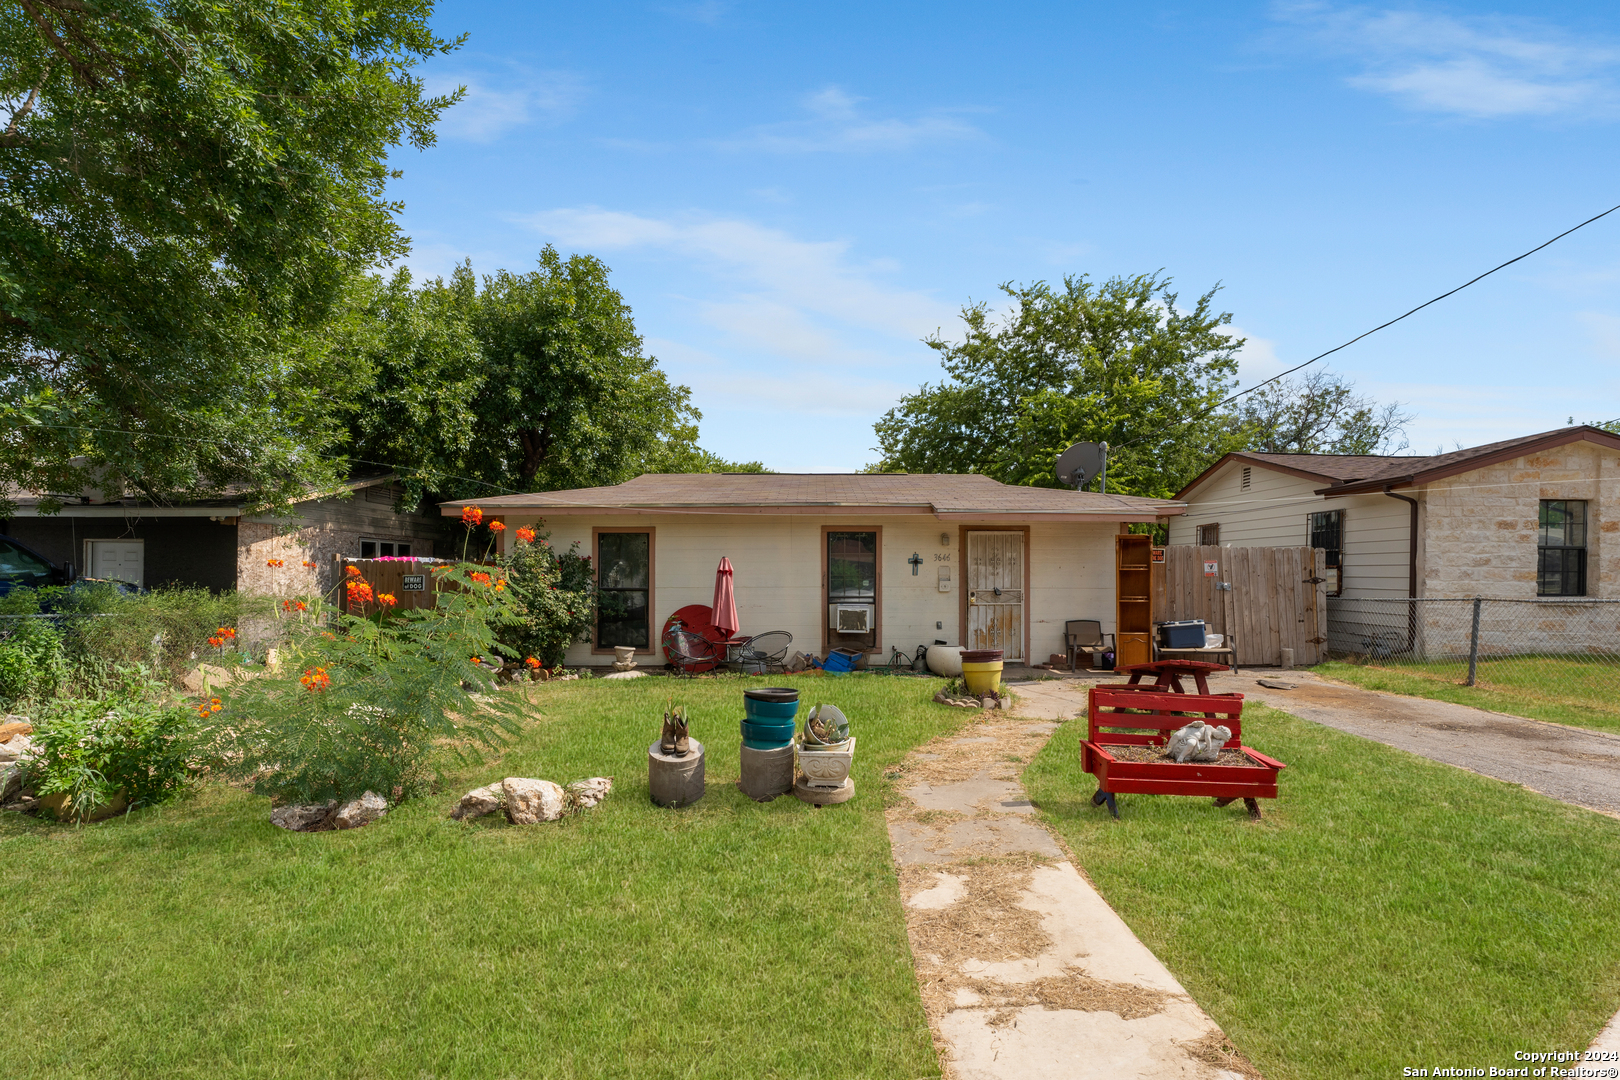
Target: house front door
{"x": 995, "y": 592}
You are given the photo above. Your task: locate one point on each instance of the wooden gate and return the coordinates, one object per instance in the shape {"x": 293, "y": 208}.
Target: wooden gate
{"x": 995, "y": 592}
{"x": 1277, "y": 597}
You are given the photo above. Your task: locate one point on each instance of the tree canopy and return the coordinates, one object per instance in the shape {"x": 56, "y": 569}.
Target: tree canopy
{"x": 1116, "y": 362}
{"x": 1320, "y": 413}
{"x": 188, "y": 189}
{"x": 521, "y": 382}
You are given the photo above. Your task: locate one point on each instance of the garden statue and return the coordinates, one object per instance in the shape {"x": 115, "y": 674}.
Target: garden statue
{"x": 675, "y": 741}
{"x": 624, "y": 658}
{"x": 1197, "y": 742}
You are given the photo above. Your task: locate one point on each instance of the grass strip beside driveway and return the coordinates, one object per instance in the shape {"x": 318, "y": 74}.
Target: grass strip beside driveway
{"x": 727, "y": 939}
{"x": 1388, "y": 912}
{"x": 1581, "y": 693}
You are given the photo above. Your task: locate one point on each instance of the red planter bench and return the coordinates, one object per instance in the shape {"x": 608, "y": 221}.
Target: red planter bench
{"x": 1121, "y": 715}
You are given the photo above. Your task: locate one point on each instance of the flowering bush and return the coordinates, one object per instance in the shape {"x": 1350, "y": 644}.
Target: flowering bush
{"x": 556, "y": 598}
{"x": 129, "y": 741}
{"x": 370, "y": 702}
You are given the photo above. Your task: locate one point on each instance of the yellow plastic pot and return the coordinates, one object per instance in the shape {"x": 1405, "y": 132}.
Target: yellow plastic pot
{"x": 981, "y": 679}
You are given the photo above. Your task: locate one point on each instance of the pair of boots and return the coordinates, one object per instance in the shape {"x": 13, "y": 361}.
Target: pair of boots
{"x": 675, "y": 742}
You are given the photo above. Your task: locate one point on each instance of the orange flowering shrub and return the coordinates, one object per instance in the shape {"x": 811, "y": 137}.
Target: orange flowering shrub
{"x": 274, "y": 563}
{"x": 316, "y": 679}
{"x": 471, "y": 516}
{"x": 352, "y": 571}
{"x": 497, "y": 526}
{"x": 531, "y": 663}
{"x": 526, "y": 535}
{"x": 387, "y": 599}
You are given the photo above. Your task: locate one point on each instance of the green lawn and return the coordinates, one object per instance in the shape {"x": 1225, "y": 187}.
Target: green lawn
{"x": 1388, "y": 912}
{"x": 728, "y": 939}
{"x": 1585, "y": 693}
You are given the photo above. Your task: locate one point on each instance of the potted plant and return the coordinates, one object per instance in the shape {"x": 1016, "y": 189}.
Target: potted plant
{"x": 826, "y": 748}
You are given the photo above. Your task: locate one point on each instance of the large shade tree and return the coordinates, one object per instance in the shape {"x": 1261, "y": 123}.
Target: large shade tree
{"x": 188, "y": 188}
{"x": 518, "y": 382}
{"x": 1117, "y": 362}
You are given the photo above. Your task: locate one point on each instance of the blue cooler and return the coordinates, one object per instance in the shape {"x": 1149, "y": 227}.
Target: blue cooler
{"x": 1186, "y": 634}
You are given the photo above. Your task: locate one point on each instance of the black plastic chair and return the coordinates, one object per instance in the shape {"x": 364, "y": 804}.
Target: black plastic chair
{"x": 764, "y": 653}
{"x": 689, "y": 653}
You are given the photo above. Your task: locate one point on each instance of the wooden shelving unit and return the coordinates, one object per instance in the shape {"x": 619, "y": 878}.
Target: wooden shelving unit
{"x": 1133, "y": 600}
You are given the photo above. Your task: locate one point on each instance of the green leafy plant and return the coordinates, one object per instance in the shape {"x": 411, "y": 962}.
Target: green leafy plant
{"x": 131, "y": 741}
{"x": 33, "y": 662}
{"x": 555, "y": 598}
{"x": 363, "y": 703}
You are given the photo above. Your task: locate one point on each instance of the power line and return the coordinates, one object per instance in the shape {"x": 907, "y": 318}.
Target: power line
{"x": 1381, "y": 326}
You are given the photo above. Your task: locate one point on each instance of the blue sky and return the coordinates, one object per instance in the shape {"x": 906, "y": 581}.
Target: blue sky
{"x": 792, "y": 196}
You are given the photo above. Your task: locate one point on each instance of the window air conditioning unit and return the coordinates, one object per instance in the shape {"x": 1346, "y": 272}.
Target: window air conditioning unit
{"x": 850, "y": 618}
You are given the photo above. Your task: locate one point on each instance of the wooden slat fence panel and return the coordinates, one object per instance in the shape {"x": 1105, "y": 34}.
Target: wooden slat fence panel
{"x": 1273, "y": 603}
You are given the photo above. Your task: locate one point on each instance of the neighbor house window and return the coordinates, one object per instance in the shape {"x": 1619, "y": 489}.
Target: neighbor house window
{"x": 1327, "y": 533}
{"x": 1561, "y": 548}
{"x": 852, "y": 581}
{"x": 1209, "y": 534}
{"x": 376, "y": 549}
{"x": 624, "y": 589}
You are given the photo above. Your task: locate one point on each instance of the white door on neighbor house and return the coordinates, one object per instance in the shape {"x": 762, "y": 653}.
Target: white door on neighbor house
{"x": 117, "y": 560}
{"x": 995, "y": 588}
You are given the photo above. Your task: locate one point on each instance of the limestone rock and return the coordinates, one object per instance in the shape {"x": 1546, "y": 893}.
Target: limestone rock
{"x": 529, "y": 802}
{"x": 10, "y": 782}
{"x": 18, "y": 746}
{"x": 478, "y": 802}
{"x": 587, "y": 793}
{"x": 362, "y": 811}
{"x": 12, "y": 726}
{"x": 633, "y": 674}
{"x": 305, "y": 817}
{"x": 205, "y": 676}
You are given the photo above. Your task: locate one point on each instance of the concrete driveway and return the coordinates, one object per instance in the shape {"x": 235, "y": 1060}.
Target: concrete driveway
{"x": 1570, "y": 764}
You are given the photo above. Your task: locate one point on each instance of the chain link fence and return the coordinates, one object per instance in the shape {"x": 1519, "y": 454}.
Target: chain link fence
{"x": 1560, "y": 651}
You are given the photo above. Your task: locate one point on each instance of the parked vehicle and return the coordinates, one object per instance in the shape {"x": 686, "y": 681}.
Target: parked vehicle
{"x": 21, "y": 567}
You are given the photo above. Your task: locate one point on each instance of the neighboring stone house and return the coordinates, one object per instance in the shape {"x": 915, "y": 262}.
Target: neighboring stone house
{"x": 215, "y": 546}
{"x": 1537, "y": 516}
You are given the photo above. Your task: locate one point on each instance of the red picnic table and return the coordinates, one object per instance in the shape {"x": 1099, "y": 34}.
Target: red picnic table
{"x": 1167, "y": 674}
{"x": 1127, "y": 716}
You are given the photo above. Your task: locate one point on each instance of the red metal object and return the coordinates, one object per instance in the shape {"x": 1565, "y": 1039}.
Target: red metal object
{"x": 1167, "y": 674}
{"x": 695, "y": 619}
{"x": 1122, "y": 714}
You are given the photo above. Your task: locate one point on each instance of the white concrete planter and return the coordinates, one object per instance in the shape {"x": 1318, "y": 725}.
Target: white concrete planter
{"x": 945, "y": 660}
{"x": 827, "y": 769}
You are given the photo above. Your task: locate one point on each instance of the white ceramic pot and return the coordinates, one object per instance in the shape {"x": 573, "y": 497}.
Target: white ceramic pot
{"x": 945, "y": 660}
{"x": 827, "y": 769}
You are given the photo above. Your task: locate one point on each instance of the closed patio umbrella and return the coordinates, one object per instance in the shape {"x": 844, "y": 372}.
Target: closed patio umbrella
{"x": 725, "y": 600}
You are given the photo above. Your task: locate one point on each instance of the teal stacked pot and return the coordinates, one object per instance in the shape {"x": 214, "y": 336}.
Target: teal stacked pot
{"x": 769, "y": 717}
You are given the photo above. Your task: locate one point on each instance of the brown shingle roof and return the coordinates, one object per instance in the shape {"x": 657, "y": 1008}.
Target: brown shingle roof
{"x": 1351, "y": 473}
{"x": 937, "y": 493}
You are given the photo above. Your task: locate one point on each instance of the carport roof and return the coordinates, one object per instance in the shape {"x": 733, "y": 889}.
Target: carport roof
{"x": 955, "y": 496}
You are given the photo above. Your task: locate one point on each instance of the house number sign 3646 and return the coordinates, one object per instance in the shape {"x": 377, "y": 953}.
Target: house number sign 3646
{"x": 415, "y": 583}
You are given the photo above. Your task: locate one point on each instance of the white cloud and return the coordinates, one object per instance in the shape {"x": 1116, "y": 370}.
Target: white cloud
{"x": 836, "y": 123}
{"x": 499, "y": 100}
{"x": 1258, "y": 359}
{"x": 788, "y": 286}
{"x": 1482, "y": 68}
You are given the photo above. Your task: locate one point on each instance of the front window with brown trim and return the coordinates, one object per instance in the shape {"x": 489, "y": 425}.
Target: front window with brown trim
{"x": 624, "y": 589}
{"x": 851, "y": 576}
{"x": 1561, "y": 548}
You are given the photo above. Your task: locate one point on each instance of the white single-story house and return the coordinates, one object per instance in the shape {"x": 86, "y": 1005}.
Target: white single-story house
{"x": 1537, "y": 516}
{"x": 915, "y": 559}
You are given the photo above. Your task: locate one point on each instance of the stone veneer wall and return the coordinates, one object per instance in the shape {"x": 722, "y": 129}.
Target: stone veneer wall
{"x": 324, "y": 530}
{"x": 1480, "y": 527}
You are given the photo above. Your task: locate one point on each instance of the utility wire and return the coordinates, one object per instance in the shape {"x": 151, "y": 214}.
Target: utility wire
{"x": 1374, "y": 330}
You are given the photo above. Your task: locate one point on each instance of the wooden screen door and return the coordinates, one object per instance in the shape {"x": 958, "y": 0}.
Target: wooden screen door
{"x": 995, "y": 588}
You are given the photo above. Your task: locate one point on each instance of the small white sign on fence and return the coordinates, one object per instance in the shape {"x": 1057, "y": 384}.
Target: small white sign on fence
{"x": 1211, "y": 568}
{"x": 415, "y": 583}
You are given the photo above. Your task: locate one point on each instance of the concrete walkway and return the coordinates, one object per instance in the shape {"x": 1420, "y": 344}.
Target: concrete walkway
{"x": 1570, "y": 764}
{"x": 1025, "y": 971}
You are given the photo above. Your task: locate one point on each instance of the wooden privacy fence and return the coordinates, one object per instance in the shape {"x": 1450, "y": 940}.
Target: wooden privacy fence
{"x": 410, "y": 581}
{"x": 1276, "y": 599}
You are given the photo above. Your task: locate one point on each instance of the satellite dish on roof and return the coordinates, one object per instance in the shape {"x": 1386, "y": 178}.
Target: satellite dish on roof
{"x": 1077, "y": 465}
